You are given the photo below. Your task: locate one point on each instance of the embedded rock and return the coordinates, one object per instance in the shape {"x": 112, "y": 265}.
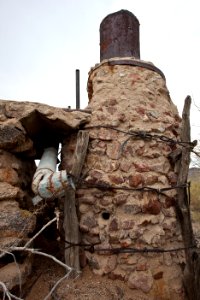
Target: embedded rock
{"x": 142, "y": 280}
{"x": 15, "y": 222}
{"x": 13, "y": 275}
{"x": 27, "y": 127}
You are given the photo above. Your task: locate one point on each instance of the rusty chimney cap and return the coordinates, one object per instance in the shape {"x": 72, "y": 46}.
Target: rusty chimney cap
{"x": 119, "y": 35}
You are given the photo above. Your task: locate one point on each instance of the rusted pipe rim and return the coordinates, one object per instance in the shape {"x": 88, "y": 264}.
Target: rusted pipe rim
{"x": 130, "y": 61}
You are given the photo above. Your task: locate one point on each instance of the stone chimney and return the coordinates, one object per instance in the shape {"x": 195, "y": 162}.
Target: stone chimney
{"x": 133, "y": 120}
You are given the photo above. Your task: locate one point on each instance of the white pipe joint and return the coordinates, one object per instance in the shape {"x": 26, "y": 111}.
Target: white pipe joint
{"x": 47, "y": 183}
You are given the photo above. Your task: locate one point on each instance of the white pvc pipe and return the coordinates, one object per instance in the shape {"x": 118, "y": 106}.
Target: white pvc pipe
{"x": 47, "y": 183}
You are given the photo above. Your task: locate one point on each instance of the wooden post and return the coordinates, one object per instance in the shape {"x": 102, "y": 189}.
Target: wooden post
{"x": 71, "y": 224}
{"x": 192, "y": 269}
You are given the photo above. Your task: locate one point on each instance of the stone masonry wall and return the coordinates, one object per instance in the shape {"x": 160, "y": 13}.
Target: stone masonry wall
{"x": 25, "y": 128}
{"x": 16, "y": 222}
{"x": 132, "y": 99}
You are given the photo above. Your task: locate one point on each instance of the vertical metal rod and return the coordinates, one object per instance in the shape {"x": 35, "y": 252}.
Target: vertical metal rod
{"x": 77, "y": 89}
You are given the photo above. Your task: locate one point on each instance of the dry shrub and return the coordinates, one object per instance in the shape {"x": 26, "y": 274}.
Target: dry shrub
{"x": 195, "y": 200}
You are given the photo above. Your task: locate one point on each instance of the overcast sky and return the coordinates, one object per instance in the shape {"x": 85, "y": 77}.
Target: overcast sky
{"x": 43, "y": 42}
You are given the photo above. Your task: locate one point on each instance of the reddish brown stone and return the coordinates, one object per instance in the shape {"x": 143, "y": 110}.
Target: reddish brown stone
{"x": 141, "y": 267}
{"x": 121, "y": 117}
{"x": 140, "y": 151}
{"x": 120, "y": 199}
{"x": 124, "y": 166}
{"x": 146, "y": 223}
{"x": 113, "y": 150}
{"x": 166, "y": 148}
{"x": 135, "y": 180}
{"x": 91, "y": 180}
{"x": 9, "y": 175}
{"x": 83, "y": 259}
{"x": 169, "y": 201}
{"x": 135, "y": 78}
{"x": 152, "y": 207}
{"x": 158, "y": 275}
{"x": 152, "y": 105}
{"x": 9, "y": 192}
{"x": 128, "y": 150}
{"x": 94, "y": 177}
{"x": 140, "y": 110}
{"x": 141, "y": 167}
{"x": 172, "y": 178}
{"x": 116, "y": 179}
{"x": 113, "y": 225}
{"x": 125, "y": 243}
{"x": 114, "y": 276}
{"x": 141, "y": 280}
{"x": 151, "y": 179}
{"x": 128, "y": 224}
{"x": 107, "y": 134}
{"x": 87, "y": 222}
{"x": 96, "y": 174}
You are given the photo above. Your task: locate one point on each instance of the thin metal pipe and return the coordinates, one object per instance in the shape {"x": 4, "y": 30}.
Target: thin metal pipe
{"x": 77, "y": 89}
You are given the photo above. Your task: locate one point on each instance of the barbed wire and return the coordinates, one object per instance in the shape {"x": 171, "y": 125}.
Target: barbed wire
{"x": 91, "y": 248}
{"x": 104, "y": 186}
{"x": 146, "y": 136}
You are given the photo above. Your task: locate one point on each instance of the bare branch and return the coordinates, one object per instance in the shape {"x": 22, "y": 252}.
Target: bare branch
{"x": 7, "y": 293}
{"x": 196, "y": 153}
{"x": 34, "y": 251}
{"x": 18, "y": 268}
{"x": 40, "y": 231}
{"x": 68, "y": 269}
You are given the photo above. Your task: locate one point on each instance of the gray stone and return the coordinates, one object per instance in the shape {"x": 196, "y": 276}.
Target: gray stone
{"x": 15, "y": 222}
{"x": 142, "y": 280}
{"x": 13, "y": 274}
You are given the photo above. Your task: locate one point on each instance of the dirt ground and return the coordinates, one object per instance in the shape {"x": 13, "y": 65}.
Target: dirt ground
{"x": 87, "y": 287}
{"x": 45, "y": 273}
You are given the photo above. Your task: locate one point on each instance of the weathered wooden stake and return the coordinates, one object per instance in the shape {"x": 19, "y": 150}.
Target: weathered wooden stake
{"x": 192, "y": 270}
{"x": 71, "y": 225}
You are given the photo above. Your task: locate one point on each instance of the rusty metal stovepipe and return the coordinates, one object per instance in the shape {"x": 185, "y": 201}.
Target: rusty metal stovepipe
{"x": 119, "y": 36}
